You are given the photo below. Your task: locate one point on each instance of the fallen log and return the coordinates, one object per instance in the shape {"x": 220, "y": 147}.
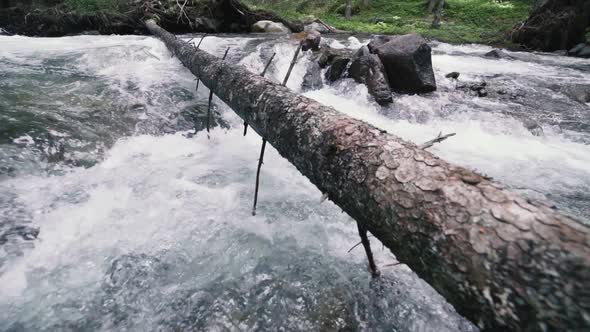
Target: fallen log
{"x": 503, "y": 261}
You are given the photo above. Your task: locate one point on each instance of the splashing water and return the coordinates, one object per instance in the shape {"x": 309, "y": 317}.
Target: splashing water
{"x": 145, "y": 226}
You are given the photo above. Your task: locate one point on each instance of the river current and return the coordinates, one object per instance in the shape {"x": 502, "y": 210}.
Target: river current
{"x": 115, "y": 214}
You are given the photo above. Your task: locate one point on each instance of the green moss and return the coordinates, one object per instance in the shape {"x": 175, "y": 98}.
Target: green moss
{"x": 90, "y": 6}
{"x": 482, "y": 21}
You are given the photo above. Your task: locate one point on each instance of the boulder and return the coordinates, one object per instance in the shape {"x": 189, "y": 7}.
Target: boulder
{"x": 311, "y": 41}
{"x": 270, "y": 27}
{"x": 315, "y": 26}
{"x": 367, "y": 68}
{"x": 554, "y": 25}
{"x": 312, "y": 80}
{"x": 408, "y": 63}
{"x": 581, "y": 50}
{"x": 337, "y": 68}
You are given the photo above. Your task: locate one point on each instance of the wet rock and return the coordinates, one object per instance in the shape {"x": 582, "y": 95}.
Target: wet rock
{"x": 270, "y": 27}
{"x": 554, "y": 25}
{"x": 577, "y": 92}
{"x": 533, "y": 126}
{"x": 337, "y": 68}
{"x": 407, "y": 61}
{"x": 581, "y": 51}
{"x": 367, "y": 68}
{"x": 453, "y": 75}
{"x": 328, "y": 55}
{"x": 315, "y": 26}
{"x": 498, "y": 54}
{"x": 311, "y": 41}
{"x": 312, "y": 80}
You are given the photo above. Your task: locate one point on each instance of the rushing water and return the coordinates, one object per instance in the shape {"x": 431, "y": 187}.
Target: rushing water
{"x": 114, "y": 215}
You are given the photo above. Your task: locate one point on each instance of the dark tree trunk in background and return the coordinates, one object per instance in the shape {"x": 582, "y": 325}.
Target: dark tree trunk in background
{"x": 503, "y": 261}
{"x": 348, "y": 10}
{"x": 437, "y": 13}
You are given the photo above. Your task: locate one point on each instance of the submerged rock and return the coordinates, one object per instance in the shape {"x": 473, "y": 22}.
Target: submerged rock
{"x": 581, "y": 50}
{"x": 407, "y": 61}
{"x": 366, "y": 68}
{"x": 498, "y": 54}
{"x": 270, "y": 27}
{"x": 312, "y": 80}
{"x": 453, "y": 75}
{"x": 533, "y": 126}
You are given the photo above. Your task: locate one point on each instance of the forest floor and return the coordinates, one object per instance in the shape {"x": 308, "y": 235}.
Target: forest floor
{"x": 463, "y": 21}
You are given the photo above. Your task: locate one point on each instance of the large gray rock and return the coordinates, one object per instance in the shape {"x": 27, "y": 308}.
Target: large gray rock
{"x": 366, "y": 68}
{"x": 311, "y": 41}
{"x": 270, "y": 27}
{"x": 408, "y": 63}
{"x": 312, "y": 80}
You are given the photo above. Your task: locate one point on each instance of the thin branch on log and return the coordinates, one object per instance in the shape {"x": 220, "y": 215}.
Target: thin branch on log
{"x": 365, "y": 241}
{"x": 260, "y": 161}
{"x": 199, "y": 45}
{"x": 392, "y": 264}
{"x": 268, "y": 64}
{"x": 356, "y": 245}
{"x": 262, "y": 74}
{"x": 211, "y": 97}
{"x": 503, "y": 261}
{"x": 437, "y": 139}
{"x": 292, "y": 64}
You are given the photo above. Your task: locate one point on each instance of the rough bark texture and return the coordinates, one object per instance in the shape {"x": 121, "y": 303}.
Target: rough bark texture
{"x": 503, "y": 261}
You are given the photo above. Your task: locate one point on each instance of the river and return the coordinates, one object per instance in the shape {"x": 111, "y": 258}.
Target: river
{"x": 116, "y": 215}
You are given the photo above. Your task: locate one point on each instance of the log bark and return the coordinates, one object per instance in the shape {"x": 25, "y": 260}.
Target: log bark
{"x": 503, "y": 261}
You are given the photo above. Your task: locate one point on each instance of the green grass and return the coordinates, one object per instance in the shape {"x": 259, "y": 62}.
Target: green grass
{"x": 480, "y": 21}
{"x": 91, "y": 6}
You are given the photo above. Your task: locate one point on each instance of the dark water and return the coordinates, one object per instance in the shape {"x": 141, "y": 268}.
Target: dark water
{"x": 115, "y": 216}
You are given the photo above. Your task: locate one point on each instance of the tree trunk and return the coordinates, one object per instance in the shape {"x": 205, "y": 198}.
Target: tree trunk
{"x": 437, "y": 13}
{"x": 348, "y": 10}
{"x": 431, "y": 5}
{"x": 367, "y": 4}
{"x": 503, "y": 261}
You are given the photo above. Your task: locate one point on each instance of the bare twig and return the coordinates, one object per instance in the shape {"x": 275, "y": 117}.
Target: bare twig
{"x": 356, "y": 245}
{"x": 437, "y": 139}
{"x": 292, "y": 64}
{"x": 260, "y": 161}
{"x": 264, "y": 139}
{"x": 365, "y": 241}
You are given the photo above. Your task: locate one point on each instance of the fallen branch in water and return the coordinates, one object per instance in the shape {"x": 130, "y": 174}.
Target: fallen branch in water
{"x": 503, "y": 261}
{"x": 437, "y": 139}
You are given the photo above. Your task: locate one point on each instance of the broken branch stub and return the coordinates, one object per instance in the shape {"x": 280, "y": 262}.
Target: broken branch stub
{"x": 503, "y": 261}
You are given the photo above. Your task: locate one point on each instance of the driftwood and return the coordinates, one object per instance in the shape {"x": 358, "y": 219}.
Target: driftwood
{"x": 505, "y": 262}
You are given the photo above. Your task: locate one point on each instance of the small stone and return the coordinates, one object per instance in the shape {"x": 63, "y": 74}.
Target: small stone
{"x": 453, "y": 75}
